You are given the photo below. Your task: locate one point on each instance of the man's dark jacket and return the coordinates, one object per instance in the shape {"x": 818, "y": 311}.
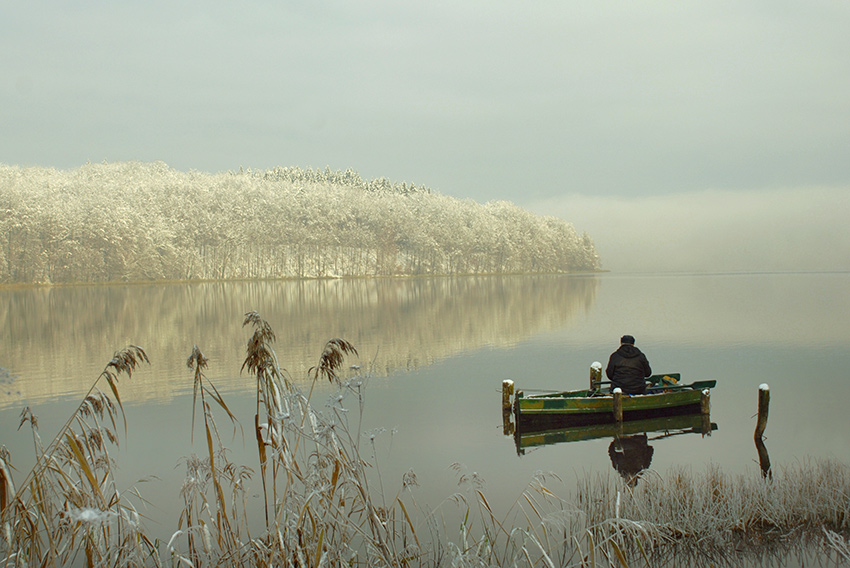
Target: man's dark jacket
{"x": 627, "y": 368}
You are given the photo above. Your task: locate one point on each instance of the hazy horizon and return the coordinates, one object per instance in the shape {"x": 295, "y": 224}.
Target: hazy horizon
{"x": 633, "y": 122}
{"x": 714, "y": 231}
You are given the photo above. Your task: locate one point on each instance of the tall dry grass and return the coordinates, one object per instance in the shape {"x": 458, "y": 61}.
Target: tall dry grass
{"x": 682, "y": 516}
{"x": 68, "y": 509}
{"x": 326, "y": 502}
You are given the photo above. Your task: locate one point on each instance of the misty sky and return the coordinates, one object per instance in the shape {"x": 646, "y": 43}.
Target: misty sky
{"x": 680, "y": 135}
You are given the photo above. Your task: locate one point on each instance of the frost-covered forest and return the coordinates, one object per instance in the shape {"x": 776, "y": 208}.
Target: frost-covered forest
{"x": 134, "y": 221}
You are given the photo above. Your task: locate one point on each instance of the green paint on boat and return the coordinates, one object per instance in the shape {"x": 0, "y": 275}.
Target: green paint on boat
{"x": 665, "y": 396}
{"x": 579, "y": 402}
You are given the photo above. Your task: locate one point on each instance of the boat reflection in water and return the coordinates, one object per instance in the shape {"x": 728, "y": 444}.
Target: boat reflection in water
{"x": 630, "y": 450}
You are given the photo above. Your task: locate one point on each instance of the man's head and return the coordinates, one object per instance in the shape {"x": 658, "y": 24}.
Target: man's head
{"x": 627, "y": 339}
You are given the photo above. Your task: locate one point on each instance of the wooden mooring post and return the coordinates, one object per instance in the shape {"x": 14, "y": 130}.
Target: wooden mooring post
{"x": 595, "y": 375}
{"x": 507, "y": 393}
{"x": 618, "y": 405}
{"x": 764, "y": 406}
{"x": 761, "y": 424}
{"x": 508, "y": 426}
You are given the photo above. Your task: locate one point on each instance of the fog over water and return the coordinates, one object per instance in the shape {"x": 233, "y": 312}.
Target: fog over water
{"x": 714, "y": 231}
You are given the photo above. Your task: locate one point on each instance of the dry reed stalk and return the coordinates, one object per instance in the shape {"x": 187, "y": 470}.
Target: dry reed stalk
{"x": 838, "y": 544}
{"x": 324, "y": 498}
{"x": 69, "y": 503}
{"x": 261, "y": 360}
{"x": 207, "y": 520}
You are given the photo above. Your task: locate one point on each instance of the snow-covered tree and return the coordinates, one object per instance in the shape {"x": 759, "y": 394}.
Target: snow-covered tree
{"x": 145, "y": 221}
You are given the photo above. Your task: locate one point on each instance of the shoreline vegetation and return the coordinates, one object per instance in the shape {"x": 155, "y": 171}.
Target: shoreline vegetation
{"x": 136, "y": 222}
{"x": 324, "y": 501}
{"x": 31, "y": 285}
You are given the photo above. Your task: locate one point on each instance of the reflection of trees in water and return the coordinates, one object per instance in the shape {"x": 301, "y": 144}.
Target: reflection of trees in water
{"x": 57, "y": 338}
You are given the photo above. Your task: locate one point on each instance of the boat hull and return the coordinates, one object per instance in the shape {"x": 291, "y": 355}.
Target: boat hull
{"x": 577, "y": 408}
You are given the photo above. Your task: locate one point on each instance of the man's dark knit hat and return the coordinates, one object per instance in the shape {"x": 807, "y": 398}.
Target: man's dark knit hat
{"x": 627, "y": 339}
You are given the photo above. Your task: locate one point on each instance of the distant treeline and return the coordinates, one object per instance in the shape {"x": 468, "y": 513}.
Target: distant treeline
{"x": 135, "y": 221}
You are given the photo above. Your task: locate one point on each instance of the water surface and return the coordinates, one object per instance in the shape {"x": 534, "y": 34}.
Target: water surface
{"x": 436, "y": 350}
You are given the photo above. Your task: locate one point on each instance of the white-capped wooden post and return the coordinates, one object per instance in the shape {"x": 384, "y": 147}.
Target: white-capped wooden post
{"x": 705, "y": 402}
{"x": 508, "y": 426}
{"x": 764, "y": 406}
{"x": 595, "y": 375}
{"x": 618, "y": 405}
{"x": 761, "y": 424}
{"x": 507, "y": 393}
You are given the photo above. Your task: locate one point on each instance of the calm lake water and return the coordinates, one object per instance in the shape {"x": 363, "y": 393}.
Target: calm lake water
{"x": 437, "y": 351}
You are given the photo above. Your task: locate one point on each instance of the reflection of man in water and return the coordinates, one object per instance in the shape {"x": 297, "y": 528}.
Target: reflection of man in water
{"x": 630, "y": 455}
{"x": 628, "y": 367}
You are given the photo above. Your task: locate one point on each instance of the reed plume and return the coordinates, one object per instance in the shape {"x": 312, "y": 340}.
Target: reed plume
{"x": 332, "y": 358}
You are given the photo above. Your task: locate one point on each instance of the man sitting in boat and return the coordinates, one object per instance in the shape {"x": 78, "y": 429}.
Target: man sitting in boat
{"x": 628, "y": 367}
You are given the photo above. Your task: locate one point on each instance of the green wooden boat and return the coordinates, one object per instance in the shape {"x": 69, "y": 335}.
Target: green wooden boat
{"x": 666, "y": 396}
